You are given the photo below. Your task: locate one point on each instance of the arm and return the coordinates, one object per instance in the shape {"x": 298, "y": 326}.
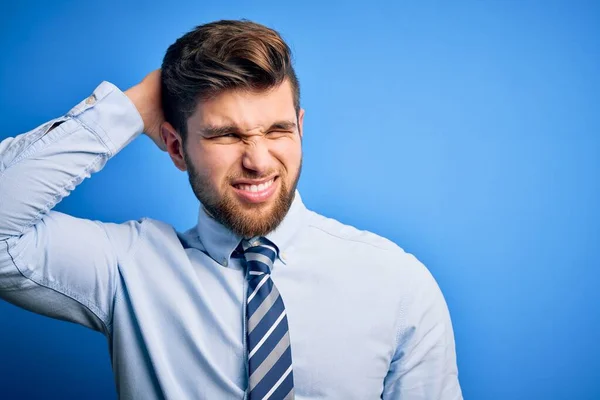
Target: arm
{"x": 51, "y": 263}
{"x": 424, "y": 364}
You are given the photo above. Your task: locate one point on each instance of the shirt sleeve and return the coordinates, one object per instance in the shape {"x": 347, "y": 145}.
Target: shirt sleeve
{"x": 52, "y": 263}
{"x": 424, "y": 364}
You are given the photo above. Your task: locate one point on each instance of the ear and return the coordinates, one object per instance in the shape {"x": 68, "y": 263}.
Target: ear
{"x": 174, "y": 144}
{"x": 301, "y": 122}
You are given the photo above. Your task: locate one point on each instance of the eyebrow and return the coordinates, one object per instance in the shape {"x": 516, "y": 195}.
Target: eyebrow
{"x": 213, "y": 131}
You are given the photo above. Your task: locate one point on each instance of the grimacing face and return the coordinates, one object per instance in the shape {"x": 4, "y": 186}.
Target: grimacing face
{"x": 243, "y": 155}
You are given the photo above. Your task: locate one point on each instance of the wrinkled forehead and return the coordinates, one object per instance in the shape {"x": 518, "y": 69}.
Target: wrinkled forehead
{"x": 248, "y": 110}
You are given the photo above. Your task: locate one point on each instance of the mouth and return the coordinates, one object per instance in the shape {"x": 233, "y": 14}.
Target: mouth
{"x": 256, "y": 192}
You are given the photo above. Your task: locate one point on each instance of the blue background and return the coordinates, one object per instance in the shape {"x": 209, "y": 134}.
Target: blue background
{"x": 467, "y": 132}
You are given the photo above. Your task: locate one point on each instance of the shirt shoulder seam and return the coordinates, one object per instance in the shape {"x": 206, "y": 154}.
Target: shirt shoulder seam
{"x": 349, "y": 239}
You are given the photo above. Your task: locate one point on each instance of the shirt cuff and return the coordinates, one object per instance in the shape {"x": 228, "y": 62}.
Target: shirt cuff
{"x": 111, "y": 115}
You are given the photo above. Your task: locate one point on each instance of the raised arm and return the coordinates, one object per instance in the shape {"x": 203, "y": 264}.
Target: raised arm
{"x": 52, "y": 263}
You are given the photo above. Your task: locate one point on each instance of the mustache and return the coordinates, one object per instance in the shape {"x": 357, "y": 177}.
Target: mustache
{"x": 254, "y": 176}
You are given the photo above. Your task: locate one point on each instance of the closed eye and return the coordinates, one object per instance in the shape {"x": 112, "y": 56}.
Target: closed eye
{"x": 279, "y": 133}
{"x": 226, "y": 136}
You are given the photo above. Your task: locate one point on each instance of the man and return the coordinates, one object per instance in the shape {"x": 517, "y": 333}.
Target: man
{"x": 263, "y": 299}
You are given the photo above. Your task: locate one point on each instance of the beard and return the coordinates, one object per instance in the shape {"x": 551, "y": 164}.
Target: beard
{"x": 245, "y": 220}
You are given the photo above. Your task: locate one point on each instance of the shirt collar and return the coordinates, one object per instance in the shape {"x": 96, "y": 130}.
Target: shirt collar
{"x": 219, "y": 242}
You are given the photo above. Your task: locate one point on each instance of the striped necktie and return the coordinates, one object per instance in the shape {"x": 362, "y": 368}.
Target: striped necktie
{"x": 269, "y": 351}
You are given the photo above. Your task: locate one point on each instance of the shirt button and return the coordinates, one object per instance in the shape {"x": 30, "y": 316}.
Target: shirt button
{"x": 90, "y": 100}
{"x": 224, "y": 262}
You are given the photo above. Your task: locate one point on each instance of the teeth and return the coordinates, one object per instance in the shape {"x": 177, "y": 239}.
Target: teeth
{"x": 256, "y": 188}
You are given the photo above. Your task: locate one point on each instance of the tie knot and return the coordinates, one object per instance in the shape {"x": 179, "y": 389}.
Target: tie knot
{"x": 260, "y": 256}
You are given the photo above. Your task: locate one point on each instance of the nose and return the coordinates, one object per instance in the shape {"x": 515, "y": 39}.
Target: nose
{"x": 257, "y": 156}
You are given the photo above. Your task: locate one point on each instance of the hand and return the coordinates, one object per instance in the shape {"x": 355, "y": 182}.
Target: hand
{"x": 146, "y": 98}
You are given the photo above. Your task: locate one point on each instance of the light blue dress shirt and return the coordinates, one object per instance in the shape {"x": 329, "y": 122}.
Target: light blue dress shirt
{"x": 366, "y": 319}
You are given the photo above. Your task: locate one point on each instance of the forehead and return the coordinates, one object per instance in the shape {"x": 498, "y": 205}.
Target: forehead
{"x": 245, "y": 109}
